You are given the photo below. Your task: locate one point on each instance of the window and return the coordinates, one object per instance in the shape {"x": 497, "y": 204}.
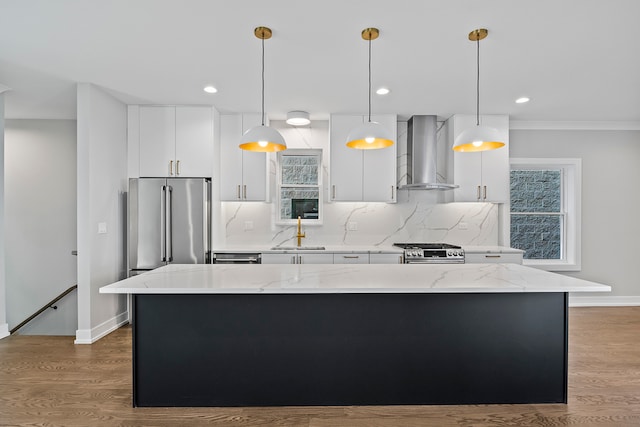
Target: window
{"x": 545, "y": 212}
{"x": 299, "y": 186}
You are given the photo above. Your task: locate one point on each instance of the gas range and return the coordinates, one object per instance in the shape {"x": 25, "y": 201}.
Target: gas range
{"x": 431, "y": 253}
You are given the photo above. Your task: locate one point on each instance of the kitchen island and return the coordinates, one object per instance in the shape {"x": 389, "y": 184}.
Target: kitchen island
{"x": 261, "y": 335}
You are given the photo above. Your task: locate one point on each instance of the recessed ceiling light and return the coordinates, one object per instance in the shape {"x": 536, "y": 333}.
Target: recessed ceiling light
{"x": 298, "y": 118}
{"x": 382, "y": 91}
{"x": 522, "y": 100}
{"x": 210, "y": 89}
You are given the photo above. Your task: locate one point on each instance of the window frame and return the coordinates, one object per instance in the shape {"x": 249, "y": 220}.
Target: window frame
{"x": 317, "y": 152}
{"x": 570, "y": 210}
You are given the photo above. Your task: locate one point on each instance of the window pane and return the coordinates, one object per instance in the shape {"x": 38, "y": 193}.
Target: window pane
{"x": 300, "y": 170}
{"x": 540, "y": 236}
{"x": 535, "y": 190}
{"x": 299, "y": 201}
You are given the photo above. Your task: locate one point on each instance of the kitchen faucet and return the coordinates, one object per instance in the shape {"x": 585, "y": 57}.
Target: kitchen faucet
{"x": 300, "y": 234}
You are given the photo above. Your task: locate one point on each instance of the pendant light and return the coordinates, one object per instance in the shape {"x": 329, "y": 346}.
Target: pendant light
{"x": 478, "y": 138}
{"x": 370, "y": 135}
{"x": 262, "y": 138}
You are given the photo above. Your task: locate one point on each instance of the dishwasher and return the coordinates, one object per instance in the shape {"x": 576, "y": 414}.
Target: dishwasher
{"x": 236, "y": 258}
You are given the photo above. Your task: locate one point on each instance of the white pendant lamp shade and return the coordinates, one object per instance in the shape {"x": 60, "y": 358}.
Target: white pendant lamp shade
{"x": 478, "y": 138}
{"x": 369, "y": 136}
{"x": 262, "y": 138}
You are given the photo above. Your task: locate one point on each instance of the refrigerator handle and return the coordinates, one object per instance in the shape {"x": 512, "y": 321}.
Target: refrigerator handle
{"x": 163, "y": 211}
{"x": 169, "y": 227}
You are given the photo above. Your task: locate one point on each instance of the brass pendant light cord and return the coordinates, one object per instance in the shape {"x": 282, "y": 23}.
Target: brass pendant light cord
{"x": 369, "y": 79}
{"x": 262, "y": 115}
{"x": 478, "y": 83}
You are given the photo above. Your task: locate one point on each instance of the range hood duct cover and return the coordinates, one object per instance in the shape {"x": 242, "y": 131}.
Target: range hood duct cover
{"x": 422, "y": 155}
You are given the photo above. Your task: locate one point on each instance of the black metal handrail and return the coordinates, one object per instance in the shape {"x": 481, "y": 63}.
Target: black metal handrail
{"x": 50, "y": 304}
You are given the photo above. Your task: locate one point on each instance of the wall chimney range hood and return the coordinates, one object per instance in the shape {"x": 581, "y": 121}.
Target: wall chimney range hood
{"x": 422, "y": 156}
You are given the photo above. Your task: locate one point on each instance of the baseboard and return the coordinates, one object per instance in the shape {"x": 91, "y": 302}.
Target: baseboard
{"x": 89, "y": 336}
{"x": 603, "y": 301}
{"x": 4, "y": 330}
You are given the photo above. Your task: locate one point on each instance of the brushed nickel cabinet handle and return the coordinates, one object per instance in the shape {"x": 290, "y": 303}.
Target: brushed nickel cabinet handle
{"x": 484, "y": 193}
{"x": 244, "y": 192}
{"x": 178, "y": 167}
{"x": 493, "y": 256}
{"x": 171, "y": 167}
{"x": 392, "y": 192}
{"x": 333, "y": 191}
{"x": 478, "y": 193}
{"x": 351, "y": 256}
{"x": 238, "y": 191}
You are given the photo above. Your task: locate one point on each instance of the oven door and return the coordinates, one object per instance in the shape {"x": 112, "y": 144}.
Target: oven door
{"x": 434, "y": 261}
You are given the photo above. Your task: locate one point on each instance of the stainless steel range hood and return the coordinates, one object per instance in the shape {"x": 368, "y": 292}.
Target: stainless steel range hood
{"x": 422, "y": 156}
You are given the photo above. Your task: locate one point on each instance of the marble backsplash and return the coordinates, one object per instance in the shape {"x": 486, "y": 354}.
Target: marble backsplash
{"x": 418, "y": 216}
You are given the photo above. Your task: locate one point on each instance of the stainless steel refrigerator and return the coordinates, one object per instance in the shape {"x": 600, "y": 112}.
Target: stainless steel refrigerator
{"x": 169, "y": 222}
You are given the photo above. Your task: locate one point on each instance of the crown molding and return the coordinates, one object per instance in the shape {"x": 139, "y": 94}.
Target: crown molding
{"x": 573, "y": 125}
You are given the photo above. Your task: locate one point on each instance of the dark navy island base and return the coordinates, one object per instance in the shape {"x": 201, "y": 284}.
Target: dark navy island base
{"x": 349, "y": 349}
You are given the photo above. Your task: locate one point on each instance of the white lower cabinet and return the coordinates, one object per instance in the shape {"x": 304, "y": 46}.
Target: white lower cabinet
{"x": 385, "y": 258}
{"x": 305, "y": 258}
{"x": 490, "y": 258}
{"x": 353, "y": 258}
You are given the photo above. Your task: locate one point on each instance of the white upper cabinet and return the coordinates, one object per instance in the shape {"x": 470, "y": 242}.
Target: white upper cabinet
{"x": 482, "y": 176}
{"x": 361, "y": 175}
{"x": 175, "y": 141}
{"x": 243, "y": 174}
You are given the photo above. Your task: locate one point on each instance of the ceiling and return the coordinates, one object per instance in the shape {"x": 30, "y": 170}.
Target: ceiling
{"x": 576, "y": 59}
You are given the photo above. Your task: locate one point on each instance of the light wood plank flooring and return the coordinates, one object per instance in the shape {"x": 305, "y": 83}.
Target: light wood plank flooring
{"x": 49, "y": 381}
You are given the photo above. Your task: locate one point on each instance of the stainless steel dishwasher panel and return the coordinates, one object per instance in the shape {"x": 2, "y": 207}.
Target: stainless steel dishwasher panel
{"x": 236, "y": 258}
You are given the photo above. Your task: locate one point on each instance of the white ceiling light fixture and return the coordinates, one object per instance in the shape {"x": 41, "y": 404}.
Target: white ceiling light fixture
{"x": 370, "y": 135}
{"x": 382, "y": 91}
{"x": 262, "y": 138}
{"x": 210, "y": 89}
{"x": 298, "y": 118}
{"x": 478, "y": 138}
{"x": 522, "y": 100}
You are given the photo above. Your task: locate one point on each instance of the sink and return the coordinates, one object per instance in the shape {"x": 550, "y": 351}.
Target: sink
{"x": 298, "y": 248}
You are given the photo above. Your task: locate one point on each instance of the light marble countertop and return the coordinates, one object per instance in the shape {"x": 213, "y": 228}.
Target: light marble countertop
{"x": 341, "y": 278}
{"x": 491, "y": 250}
{"x": 327, "y": 249}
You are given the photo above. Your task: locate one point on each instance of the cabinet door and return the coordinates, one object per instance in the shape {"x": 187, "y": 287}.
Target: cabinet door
{"x": 157, "y": 141}
{"x": 379, "y": 166}
{"x": 346, "y": 164}
{"x": 491, "y": 258}
{"x": 230, "y": 157}
{"x": 482, "y": 176}
{"x": 269, "y": 258}
{"x": 315, "y": 258}
{"x": 194, "y": 142}
{"x": 385, "y": 259}
{"x": 254, "y": 165}
{"x": 355, "y": 258}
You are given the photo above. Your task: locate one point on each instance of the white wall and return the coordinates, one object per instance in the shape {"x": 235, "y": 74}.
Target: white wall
{"x": 102, "y": 186}
{"x": 40, "y": 219}
{"x": 418, "y": 216}
{"x": 610, "y": 199}
{"x": 4, "y": 326}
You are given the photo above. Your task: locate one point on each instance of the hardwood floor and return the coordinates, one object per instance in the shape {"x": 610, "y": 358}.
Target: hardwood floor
{"x": 49, "y": 381}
